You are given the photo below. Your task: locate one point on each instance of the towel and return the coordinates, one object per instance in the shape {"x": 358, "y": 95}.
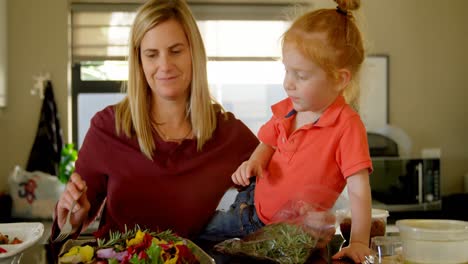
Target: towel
{"x": 47, "y": 147}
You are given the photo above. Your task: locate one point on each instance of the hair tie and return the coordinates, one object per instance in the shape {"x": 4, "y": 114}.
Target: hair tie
{"x": 341, "y": 11}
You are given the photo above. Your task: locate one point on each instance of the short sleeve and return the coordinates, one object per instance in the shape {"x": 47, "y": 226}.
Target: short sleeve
{"x": 268, "y": 133}
{"x": 353, "y": 150}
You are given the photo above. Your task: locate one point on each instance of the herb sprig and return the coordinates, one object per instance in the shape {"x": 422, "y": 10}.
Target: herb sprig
{"x": 282, "y": 242}
{"x": 117, "y": 239}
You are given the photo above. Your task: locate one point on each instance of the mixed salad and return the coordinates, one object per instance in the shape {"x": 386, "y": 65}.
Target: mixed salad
{"x": 5, "y": 240}
{"x": 134, "y": 247}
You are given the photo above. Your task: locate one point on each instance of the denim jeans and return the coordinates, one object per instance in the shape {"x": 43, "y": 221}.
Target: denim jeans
{"x": 240, "y": 220}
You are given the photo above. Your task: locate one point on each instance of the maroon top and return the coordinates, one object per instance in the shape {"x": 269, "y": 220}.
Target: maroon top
{"x": 179, "y": 190}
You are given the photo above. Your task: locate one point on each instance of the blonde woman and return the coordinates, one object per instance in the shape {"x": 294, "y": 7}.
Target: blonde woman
{"x": 162, "y": 158}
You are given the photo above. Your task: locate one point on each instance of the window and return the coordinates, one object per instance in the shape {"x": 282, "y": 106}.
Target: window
{"x": 244, "y": 71}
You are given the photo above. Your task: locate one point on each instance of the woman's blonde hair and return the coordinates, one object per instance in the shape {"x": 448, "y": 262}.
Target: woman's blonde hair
{"x": 132, "y": 114}
{"x": 331, "y": 38}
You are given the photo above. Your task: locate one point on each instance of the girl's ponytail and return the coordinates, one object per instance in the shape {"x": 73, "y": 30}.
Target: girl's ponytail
{"x": 348, "y": 5}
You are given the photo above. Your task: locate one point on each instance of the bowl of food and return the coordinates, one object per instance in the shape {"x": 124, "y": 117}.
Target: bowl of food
{"x": 15, "y": 238}
{"x": 132, "y": 245}
{"x": 434, "y": 241}
{"x": 378, "y": 223}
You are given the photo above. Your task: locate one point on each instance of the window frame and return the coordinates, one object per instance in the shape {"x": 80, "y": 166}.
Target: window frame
{"x": 80, "y": 86}
{"x": 202, "y": 11}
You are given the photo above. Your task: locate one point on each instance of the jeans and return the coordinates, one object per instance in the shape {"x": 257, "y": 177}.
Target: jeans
{"x": 240, "y": 220}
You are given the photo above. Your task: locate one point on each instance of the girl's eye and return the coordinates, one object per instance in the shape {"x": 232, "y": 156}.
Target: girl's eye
{"x": 177, "y": 51}
{"x": 300, "y": 76}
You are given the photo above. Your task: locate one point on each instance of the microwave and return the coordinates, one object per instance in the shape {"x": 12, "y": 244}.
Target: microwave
{"x": 406, "y": 184}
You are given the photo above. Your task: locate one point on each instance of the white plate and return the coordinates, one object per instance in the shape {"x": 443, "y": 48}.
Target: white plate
{"x": 29, "y": 233}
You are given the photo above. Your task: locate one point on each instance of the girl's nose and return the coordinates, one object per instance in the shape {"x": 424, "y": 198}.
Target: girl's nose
{"x": 288, "y": 84}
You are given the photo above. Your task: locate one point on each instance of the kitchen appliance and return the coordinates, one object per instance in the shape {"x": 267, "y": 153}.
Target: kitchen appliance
{"x": 405, "y": 184}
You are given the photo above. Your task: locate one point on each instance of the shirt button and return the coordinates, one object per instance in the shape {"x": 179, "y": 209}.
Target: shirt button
{"x": 284, "y": 139}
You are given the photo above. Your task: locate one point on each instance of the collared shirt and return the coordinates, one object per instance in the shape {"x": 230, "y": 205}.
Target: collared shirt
{"x": 311, "y": 163}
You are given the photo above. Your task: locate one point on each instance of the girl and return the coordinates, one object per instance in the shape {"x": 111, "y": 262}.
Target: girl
{"x": 315, "y": 138}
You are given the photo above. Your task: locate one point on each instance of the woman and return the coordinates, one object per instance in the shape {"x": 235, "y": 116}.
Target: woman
{"x": 161, "y": 158}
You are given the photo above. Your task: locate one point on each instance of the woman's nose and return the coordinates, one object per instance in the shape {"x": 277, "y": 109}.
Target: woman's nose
{"x": 165, "y": 62}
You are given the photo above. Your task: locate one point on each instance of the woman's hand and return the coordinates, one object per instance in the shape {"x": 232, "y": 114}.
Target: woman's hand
{"x": 75, "y": 191}
{"x": 245, "y": 171}
{"x": 356, "y": 251}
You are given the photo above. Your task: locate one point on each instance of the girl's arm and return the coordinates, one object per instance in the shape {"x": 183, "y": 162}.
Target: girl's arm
{"x": 361, "y": 211}
{"x": 361, "y": 206}
{"x": 262, "y": 155}
{"x": 254, "y": 166}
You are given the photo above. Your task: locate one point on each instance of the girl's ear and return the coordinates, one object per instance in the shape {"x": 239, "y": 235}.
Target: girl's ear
{"x": 344, "y": 77}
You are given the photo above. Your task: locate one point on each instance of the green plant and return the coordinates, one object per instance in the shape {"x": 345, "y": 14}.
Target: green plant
{"x": 282, "y": 242}
{"x": 68, "y": 157}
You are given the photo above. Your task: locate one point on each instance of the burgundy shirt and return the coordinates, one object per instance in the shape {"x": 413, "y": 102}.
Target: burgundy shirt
{"x": 179, "y": 190}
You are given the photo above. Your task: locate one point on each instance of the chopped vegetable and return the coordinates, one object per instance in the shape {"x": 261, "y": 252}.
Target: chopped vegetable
{"x": 136, "y": 247}
{"x": 78, "y": 254}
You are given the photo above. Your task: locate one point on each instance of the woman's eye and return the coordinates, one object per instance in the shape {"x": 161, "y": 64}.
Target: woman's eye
{"x": 176, "y": 51}
{"x": 150, "y": 55}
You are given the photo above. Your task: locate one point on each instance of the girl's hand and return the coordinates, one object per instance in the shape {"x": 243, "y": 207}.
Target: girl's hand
{"x": 75, "y": 190}
{"x": 245, "y": 171}
{"x": 356, "y": 251}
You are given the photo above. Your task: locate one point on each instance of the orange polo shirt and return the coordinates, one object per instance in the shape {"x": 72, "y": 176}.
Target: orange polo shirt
{"x": 313, "y": 162}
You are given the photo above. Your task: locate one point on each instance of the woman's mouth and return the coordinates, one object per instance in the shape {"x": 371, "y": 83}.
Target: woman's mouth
{"x": 166, "y": 78}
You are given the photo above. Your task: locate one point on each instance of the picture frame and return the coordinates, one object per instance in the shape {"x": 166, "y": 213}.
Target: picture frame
{"x": 374, "y": 96}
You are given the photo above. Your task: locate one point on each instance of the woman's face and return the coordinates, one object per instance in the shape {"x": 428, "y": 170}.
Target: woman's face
{"x": 308, "y": 85}
{"x": 166, "y": 60}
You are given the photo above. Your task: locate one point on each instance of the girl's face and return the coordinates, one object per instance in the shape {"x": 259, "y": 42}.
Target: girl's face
{"x": 308, "y": 85}
{"x": 166, "y": 60}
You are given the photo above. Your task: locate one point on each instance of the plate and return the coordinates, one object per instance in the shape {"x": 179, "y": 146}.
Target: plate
{"x": 29, "y": 233}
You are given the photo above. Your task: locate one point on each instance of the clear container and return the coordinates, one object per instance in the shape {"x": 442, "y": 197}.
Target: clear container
{"x": 387, "y": 249}
{"x": 434, "y": 241}
{"x": 378, "y": 224}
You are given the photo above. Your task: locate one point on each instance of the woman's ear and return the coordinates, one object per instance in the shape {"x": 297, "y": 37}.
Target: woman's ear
{"x": 344, "y": 77}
